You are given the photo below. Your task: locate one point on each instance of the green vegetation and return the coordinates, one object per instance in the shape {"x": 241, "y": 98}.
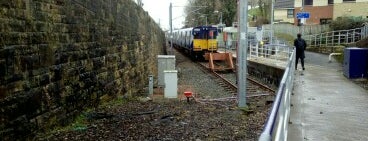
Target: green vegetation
{"x": 214, "y": 9}
{"x": 255, "y": 12}
{"x": 288, "y": 38}
{"x": 196, "y": 15}
{"x": 80, "y": 122}
{"x": 118, "y": 101}
{"x": 344, "y": 23}
{"x": 340, "y": 58}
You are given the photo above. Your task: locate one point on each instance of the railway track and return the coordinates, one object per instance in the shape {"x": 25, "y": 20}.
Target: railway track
{"x": 227, "y": 80}
{"x": 254, "y": 88}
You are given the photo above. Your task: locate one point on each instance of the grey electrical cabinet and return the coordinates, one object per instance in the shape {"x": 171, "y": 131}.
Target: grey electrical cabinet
{"x": 165, "y": 62}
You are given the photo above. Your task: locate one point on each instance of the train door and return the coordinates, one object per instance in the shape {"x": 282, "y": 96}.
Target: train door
{"x": 212, "y": 39}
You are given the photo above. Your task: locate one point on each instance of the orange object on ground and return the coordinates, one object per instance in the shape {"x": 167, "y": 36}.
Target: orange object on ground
{"x": 188, "y": 94}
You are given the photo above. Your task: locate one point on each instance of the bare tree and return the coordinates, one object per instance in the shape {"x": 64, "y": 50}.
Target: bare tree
{"x": 226, "y": 7}
{"x": 265, "y": 8}
{"x": 196, "y": 16}
{"x": 253, "y": 3}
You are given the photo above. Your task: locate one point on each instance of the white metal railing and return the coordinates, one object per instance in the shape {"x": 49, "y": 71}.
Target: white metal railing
{"x": 276, "y": 127}
{"x": 333, "y": 38}
{"x": 364, "y": 31}
{"x": 278, "y": 51}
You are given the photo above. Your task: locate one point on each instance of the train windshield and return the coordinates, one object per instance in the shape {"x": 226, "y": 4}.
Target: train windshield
{"x": 212, "y": 33}
{"x": 205, "y": 33}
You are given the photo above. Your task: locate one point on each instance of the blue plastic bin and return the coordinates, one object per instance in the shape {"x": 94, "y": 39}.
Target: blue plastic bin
{"x": 355, "y": 62}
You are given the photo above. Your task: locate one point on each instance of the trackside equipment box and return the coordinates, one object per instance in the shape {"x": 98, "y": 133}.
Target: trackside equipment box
{"x": 165, "y": 62}
{"x": 355, "y": 62}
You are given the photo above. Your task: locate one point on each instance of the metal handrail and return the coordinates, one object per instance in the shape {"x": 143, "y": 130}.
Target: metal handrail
{"x": 280, "y": 52}
{"x": 276, "y": 127}
{"x": 333, "y": 38}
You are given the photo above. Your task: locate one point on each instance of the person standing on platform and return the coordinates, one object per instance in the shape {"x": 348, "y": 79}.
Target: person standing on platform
{"x": 300, "y": 46}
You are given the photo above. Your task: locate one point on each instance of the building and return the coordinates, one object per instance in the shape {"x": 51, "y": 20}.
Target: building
{"x": 321, "y": 11}
{"x": 284, "y": 11}
{"x": 355, "y": 8}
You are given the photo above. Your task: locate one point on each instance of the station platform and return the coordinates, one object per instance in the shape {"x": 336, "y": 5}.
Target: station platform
{"x": 326, "y": 106}
{"x": 270, "y": 62}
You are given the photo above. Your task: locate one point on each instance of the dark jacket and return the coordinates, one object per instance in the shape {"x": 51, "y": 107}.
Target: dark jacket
{"x": 300, "y": 46}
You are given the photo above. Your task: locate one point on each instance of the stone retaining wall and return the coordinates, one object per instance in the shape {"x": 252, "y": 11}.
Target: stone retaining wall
{"x": 58, "y": 57}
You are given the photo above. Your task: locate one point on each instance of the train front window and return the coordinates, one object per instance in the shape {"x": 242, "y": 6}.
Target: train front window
{"x": 212, "y": 34}
{"x": 205, "y": 33}
{"x": 199, "y": 35}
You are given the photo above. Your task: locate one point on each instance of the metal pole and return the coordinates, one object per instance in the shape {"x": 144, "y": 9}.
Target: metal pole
{"x": 206, "y": 20}
{"x": 242, "y": 54}
{"x": 301, "y": 20}
{"x": 150, "y": 85}
{"x": 272, "y": 14}
{"x": 221, "y": 19}
{"x": 171, "y": 34}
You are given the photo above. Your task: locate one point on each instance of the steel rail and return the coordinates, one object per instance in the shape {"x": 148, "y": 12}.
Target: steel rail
{"x": 234, "y": 86}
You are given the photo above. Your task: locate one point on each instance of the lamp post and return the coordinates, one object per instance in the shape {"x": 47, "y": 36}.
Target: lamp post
{"x": 220, "y": 16}
{"x": 220, "y": 27}
{"x": 272, "y": 18}
{"x": 242, "y": 53}
{"x": 204, "y": 16}
{"x": 170, "y": 22}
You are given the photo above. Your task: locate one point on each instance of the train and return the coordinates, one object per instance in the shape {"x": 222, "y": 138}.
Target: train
{"x": 196, "y": 41}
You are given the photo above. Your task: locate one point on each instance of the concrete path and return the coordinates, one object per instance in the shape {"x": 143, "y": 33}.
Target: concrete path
{"x": 326, "y": 105}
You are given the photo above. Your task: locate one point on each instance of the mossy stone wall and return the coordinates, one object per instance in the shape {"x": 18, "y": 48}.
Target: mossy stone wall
{"x": 58, "y": 57}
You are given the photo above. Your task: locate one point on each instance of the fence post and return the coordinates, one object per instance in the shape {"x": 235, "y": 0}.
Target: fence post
{"x": 339, "y": 38}
{"x": 276, "y": 51}
{"x": 354, "y": 32}
{"x": 320, "y": 42}
{"x": 347, "y": 37}
{"x": 365, "y": 31}
{"x": 257, "y": 49}
{"x": 333, "y": 37}
{"x": 315, "y": 40}
{"x": 361, "y": 32}
{"x": 326, "y": 39}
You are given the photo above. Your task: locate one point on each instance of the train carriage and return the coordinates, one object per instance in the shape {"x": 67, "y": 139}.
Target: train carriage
{"x": 196, "y": 41}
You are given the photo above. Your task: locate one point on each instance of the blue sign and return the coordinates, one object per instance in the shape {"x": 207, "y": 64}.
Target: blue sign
{"x": 301, "y": 15}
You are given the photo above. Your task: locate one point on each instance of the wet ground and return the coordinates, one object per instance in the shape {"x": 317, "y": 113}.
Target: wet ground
{"x": 323, "y": 98}
{"x": 323, "y": 60}
{"x": 362, "y": 82}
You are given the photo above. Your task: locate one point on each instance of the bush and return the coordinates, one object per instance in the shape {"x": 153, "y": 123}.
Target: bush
{"x": 261, "y": 21}
{"x": 344, "y": 23}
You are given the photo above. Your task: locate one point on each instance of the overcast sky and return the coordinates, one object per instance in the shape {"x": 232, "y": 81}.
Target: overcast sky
{"x": 159, "y": 11}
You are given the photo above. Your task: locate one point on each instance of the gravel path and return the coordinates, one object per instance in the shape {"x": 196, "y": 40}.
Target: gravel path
{"x": 192, "y": 77}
